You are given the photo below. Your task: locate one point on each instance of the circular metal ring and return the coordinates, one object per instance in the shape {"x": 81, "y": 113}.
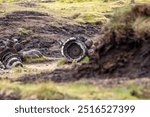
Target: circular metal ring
{"x": 13, "y": 62}
{"x": 74, "y": 50}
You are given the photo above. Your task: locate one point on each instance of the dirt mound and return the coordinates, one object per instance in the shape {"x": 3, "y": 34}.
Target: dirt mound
{"x": 121, "y": 51}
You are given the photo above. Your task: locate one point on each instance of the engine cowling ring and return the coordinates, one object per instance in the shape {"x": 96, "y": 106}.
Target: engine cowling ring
{"x": 74, "y": 50}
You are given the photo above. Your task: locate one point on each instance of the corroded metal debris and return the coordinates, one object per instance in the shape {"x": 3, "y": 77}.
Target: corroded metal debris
{"x": 75, "y": 49}
{"x": 13, "y": 52}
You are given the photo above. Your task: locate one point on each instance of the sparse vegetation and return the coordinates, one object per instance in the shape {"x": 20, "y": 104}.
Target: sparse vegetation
{"x": 81, "y": 11}
{"x": 139, "y": 20}
{"x": 115, "y": 22}
{"x": 85, "y": 60}
{"x": 35, "y": 60}
{"x": 77, "y": 90}
{"x": 88, "y": 12}
{"x": 24, "y": 31}
{"x": 61, "y": 62}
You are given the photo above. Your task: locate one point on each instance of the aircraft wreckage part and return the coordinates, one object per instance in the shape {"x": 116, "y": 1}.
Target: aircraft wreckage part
{"x": 89, "y": 43}
{"x": 14, "y": 63}
{"x": 11, "y": 60}
{"x": 31, "y": 54}
{"x": 1, "y": 66}
{"x": 18, "y": 47}
{"x": 74, "y": 50}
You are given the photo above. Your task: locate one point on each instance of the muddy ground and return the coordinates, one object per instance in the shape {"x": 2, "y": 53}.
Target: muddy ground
{"x": 121, "y": 54}
{"x": 116, "y": 57}
{"x": 43, "y": 30}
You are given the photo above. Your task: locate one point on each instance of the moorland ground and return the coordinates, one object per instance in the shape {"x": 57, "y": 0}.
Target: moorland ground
{"x": 44, "y": 23}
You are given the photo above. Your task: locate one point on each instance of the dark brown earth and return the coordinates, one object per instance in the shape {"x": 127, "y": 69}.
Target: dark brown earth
{"x": 43, "y": 30}
{"x": 121, "y": 53}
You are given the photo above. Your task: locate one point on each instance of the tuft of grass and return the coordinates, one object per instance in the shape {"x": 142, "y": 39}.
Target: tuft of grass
{"x": 85, "y": 60}
{"x": 23, "y": 70}
{"x": 43, "y": 92}
{"x": 24, "y": 31}
{"x": 142, "y": 25}
{"x": 18, "y": 72}
{"x": 73, "y": 90}
{"x": 61, "y": 62}
{"x": 35, "y": 60}
{"x": 84, "y": 90}
{"x": 126, "y": 18}
{"x": 116, "y": 21}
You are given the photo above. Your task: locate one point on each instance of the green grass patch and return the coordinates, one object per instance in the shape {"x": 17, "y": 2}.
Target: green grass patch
{"x": 127, "y": 18}
{"x": 35, "y": 60}
{"x": 116, "y": 21}
{"x": 88, "y": 91}
{"x": 18, "y": 72}
{"x": 61, "y": 62}
{"x": 24, "y": 31}
{"x": 76, "y": 90}
{"x": 79, "y": 11}
{"x": 85, "y": 60}
{"x": 82, "y": 12}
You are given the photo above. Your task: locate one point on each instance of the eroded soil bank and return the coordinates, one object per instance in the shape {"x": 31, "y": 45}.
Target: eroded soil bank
{"x": 121, "y": 51}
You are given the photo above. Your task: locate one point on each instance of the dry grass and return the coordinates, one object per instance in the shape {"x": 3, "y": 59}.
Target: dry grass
{"x": 76, "y": 90}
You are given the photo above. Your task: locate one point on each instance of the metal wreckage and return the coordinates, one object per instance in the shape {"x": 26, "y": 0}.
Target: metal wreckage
{"x": 12, "y": 52}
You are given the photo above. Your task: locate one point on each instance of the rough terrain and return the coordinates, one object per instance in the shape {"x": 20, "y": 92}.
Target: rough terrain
{"x": 120, "y": 58}
{"x": 118, "y": 53}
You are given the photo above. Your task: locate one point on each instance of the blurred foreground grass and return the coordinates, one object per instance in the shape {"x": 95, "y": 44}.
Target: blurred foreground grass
{"x": 73, "y": 90}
